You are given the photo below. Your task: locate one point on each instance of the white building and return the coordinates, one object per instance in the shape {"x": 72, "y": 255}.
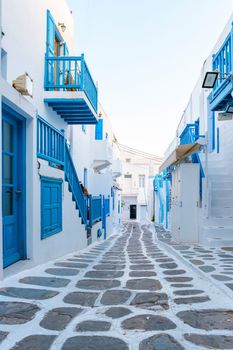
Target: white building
{"x": 137, "y": 183}
{"x": 51, "y": 140}
{"x": 198, "y": 164}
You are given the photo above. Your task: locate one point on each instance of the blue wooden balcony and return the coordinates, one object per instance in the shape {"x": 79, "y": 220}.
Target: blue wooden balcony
{"x": 222, "y": 62}
{"x": 70, "y": 90}
{"x": 190, "y": 134}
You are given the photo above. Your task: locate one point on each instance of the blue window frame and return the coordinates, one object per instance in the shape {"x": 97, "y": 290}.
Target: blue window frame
{"x": 85, "y": 177}
{"x": 51, "y": 206}
{"x": 119, "y": 206}
{"x": 50, "y": 44}
{"x": 99, "y": 130}
{"x": 218, "y": 140}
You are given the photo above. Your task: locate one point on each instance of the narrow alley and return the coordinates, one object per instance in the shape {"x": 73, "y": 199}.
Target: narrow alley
{"x": 128, "y": 292}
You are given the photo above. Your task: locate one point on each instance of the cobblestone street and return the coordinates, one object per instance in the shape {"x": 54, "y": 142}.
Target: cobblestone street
{"x": 128, "y": 292}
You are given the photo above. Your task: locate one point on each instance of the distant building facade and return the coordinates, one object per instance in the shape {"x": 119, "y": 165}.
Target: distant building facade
{"x": 137, "y": 184}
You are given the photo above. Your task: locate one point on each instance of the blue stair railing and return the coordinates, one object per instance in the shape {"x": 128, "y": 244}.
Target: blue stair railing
{"x": 50, "y": 143}
{"x": 95, "y": 209}
{"x": 74, "y": 186}
{"x": 107, "y": 206}
{"x": 52, "y": 146}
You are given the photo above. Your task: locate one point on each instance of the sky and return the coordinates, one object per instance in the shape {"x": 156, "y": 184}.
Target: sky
{"x": 146, "y": 56}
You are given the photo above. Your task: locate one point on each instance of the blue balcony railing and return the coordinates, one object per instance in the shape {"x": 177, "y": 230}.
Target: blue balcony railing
{"x": 50, "y": 143}
{"x": 70, "y": 73}
{"x": 189, "y": 134}
{"x": 95, "y": 209}
{"x": 220, "y": 96}
{"x": 222, "y": 62}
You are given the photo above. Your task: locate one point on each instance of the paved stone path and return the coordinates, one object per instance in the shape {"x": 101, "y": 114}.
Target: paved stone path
{"x": 215, "y": 262}
{"x": 127, "y": 293}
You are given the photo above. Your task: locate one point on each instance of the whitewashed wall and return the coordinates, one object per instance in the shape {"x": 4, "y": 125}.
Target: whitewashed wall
{"x": 25, "y": 53}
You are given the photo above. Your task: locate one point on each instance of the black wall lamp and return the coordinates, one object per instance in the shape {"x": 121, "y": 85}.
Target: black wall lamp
{"x": 210, "y": 79}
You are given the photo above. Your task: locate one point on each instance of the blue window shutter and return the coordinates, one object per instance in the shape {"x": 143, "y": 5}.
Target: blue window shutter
{"x": 51, "y": 207}
{"x": 50, "y": 46}
{"x": 99, "y": 130}
{"x": 50, "y": 34}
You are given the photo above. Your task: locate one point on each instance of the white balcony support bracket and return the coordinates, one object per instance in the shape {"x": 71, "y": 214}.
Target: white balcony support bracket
{"x": 102, "y": 155}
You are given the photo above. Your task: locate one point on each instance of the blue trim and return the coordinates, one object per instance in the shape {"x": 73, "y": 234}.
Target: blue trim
{"x": 119, "y": 206}
{"x": 167, "y": 201}
{"x": 16, "y": 119}
{"x": 210, "y": 126}
{"x": 95, "y": 209}
{"x": 218, "y": 139}
{"x": 51, "y": 206}
{"x": 50, "y": 34}
{"x": 104, "y": 214}
{"x": 99, "y": 130}
{"x": 213, "y": 130}
{"x": 85, "y": 172}
{"x": 158, "y": 184}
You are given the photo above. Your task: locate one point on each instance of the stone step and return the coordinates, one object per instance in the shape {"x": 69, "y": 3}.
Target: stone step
{"x": 222, "y": 178}
{"x": 219, "y": 221}
{"x": 221, "y": 211}
{"x": 219, "y": 242}
{"x": 221, "y": 202}
{"x": 222, "y": 193}
{"x": 219, "y": 231}
{"x": 222, "y": 185}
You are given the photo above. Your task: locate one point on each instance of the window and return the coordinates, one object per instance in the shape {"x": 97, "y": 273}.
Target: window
{"x": 51, "y": 206}
{"x": 128, "y": 176}
{"x": 141, "y": 180}
{"x": 99, "y": 130}
{"x": 85, "y": 177}
{"x": 128, "y": 160}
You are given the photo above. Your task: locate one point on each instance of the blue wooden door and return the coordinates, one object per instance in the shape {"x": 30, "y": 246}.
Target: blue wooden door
{"x": 11, "y": 192}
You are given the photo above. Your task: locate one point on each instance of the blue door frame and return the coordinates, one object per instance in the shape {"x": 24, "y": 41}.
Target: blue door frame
{"x": 104, "y": 218}
{"x": 13, "y": 187}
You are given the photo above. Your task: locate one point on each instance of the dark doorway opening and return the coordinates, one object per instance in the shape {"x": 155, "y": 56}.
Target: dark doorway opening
{"x": 133, "y": 211}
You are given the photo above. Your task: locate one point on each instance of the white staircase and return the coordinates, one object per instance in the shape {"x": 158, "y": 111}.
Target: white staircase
{"x": 218, "y": 227}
